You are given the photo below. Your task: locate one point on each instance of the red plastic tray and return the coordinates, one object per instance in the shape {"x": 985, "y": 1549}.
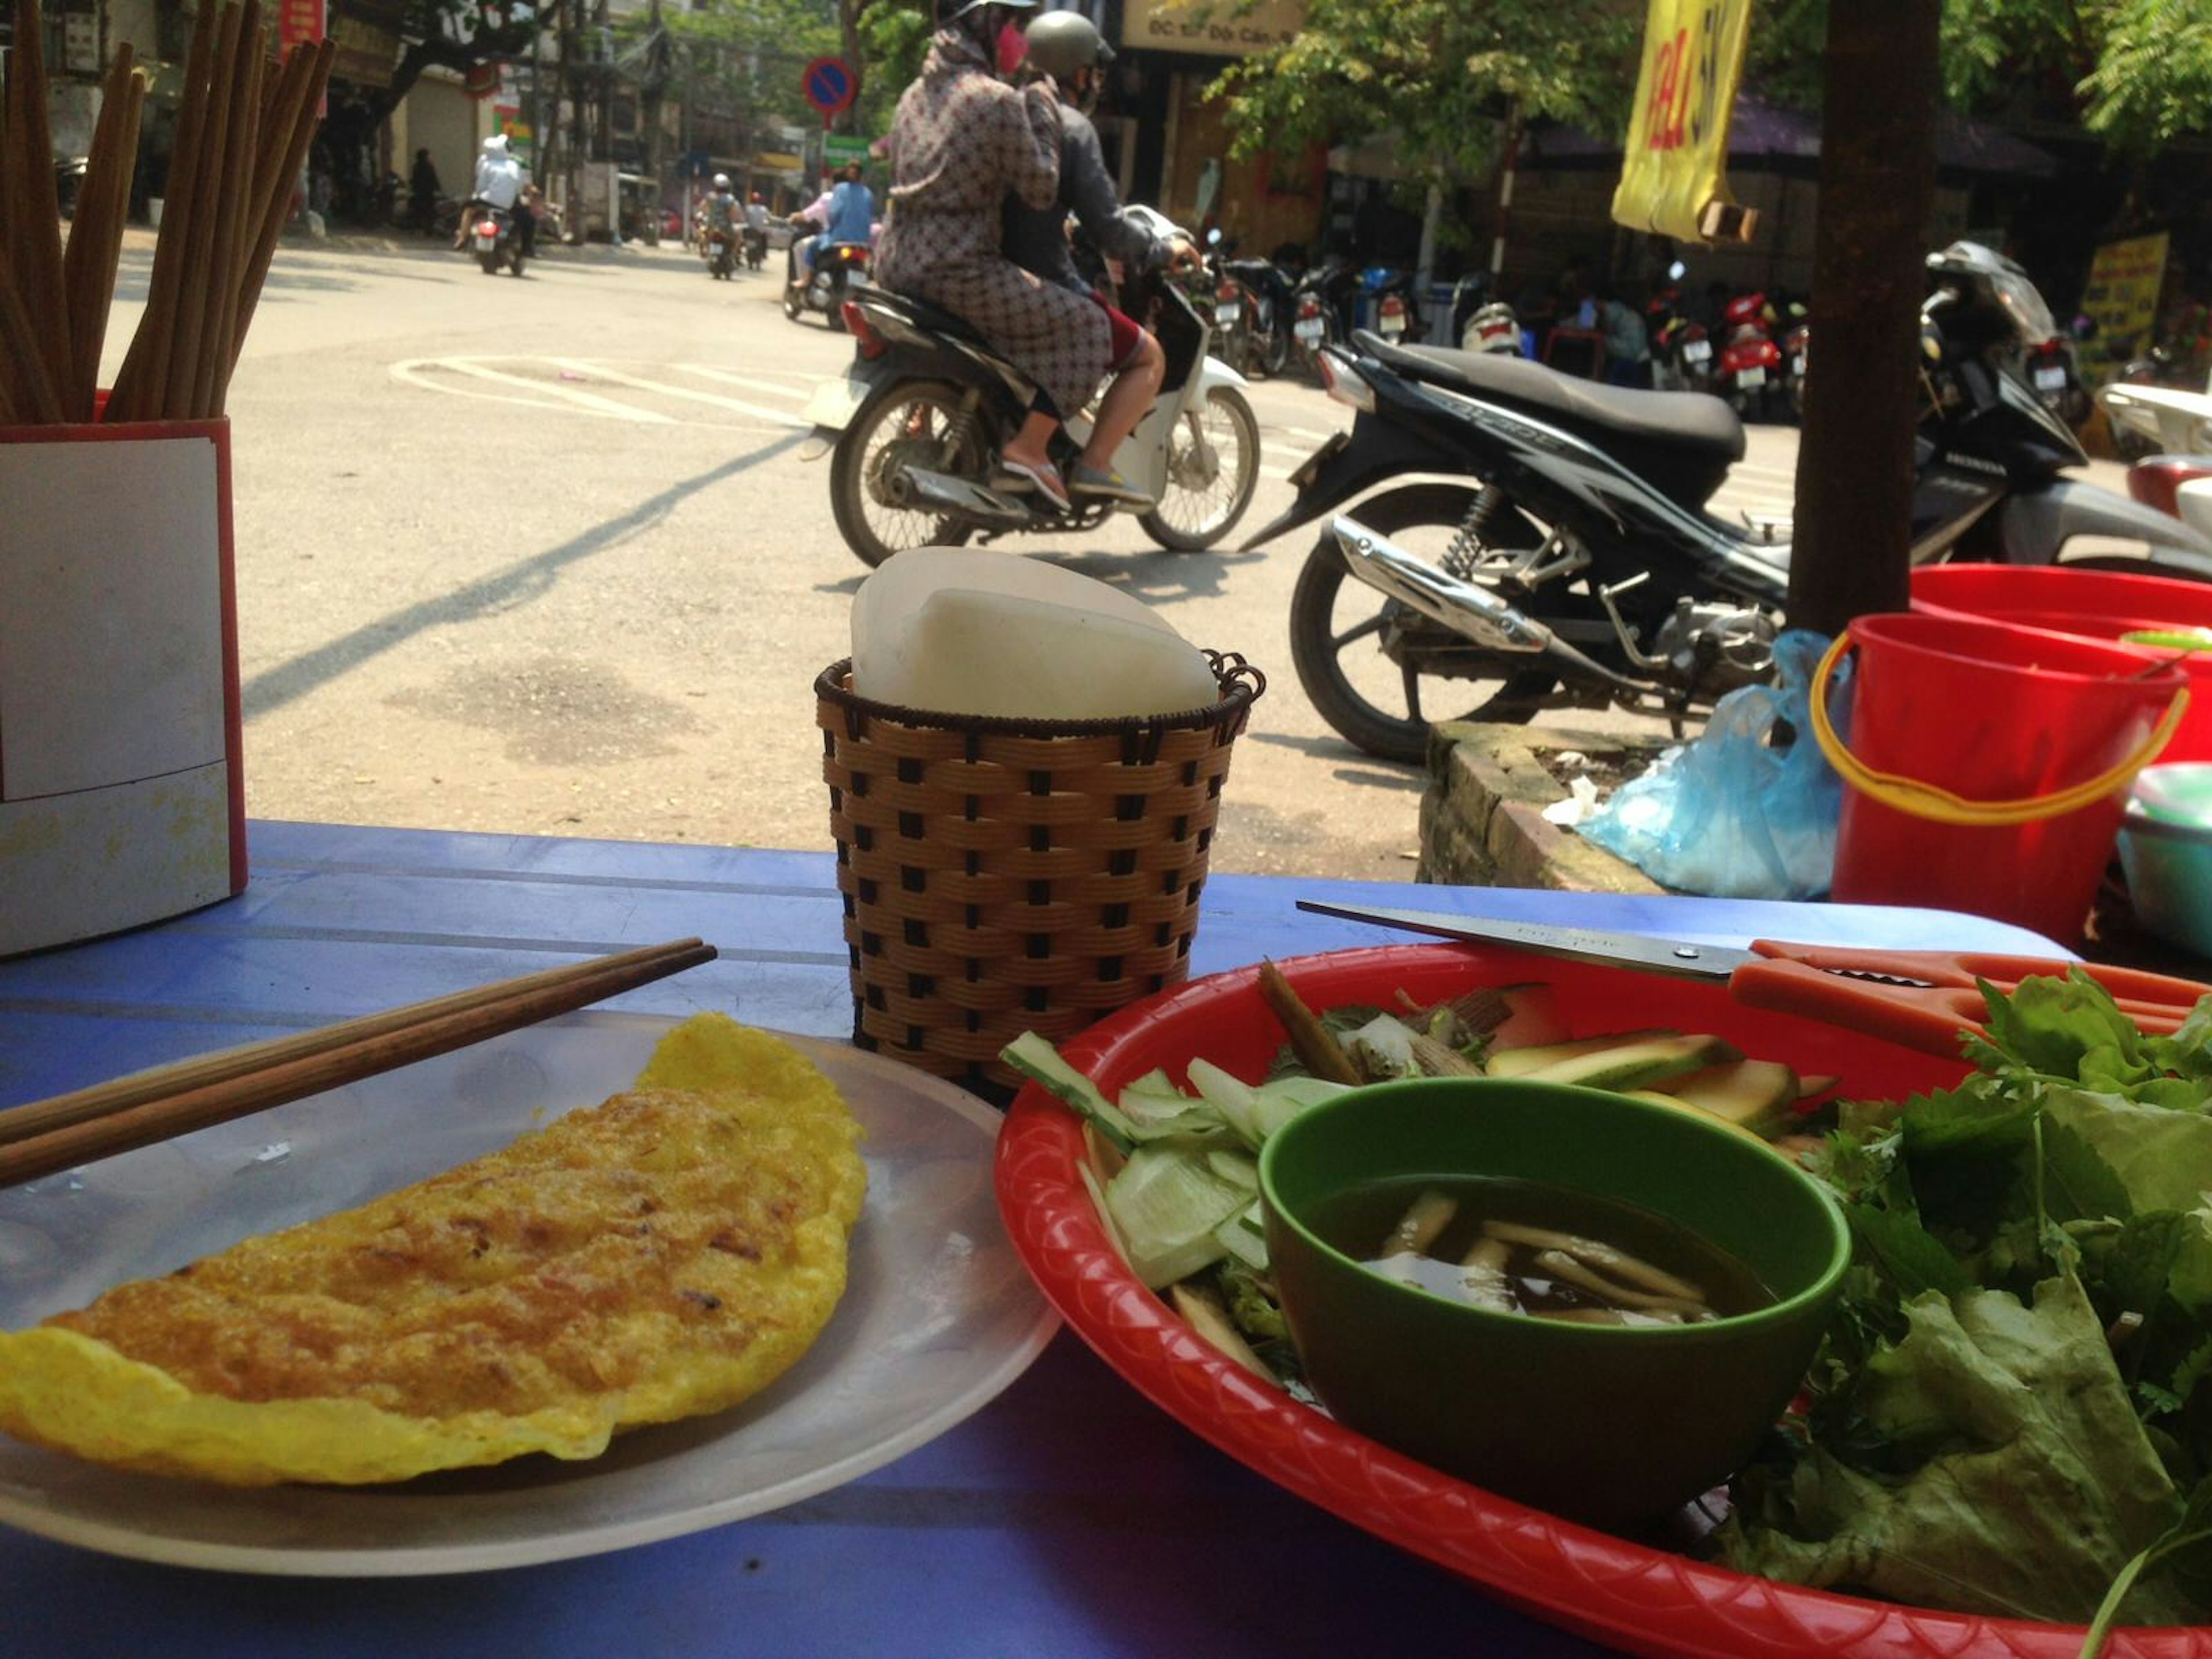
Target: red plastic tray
{"x": 1626, "y": 1595}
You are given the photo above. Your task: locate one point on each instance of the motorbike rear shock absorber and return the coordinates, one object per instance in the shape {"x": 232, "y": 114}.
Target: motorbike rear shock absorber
{"x": 1467, "y": 542}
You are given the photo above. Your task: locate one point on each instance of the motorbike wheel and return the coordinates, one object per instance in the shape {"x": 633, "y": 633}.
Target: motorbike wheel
{"x": 793, "y": 302}
{"x": 1213, "y": 467}
{"x": 909, "y": 422}
{"x": 1275, "y": 352}
{"x": 489, "y": 261}
{"x": 1359, "y": 692}
{"x": 514, "y": 260}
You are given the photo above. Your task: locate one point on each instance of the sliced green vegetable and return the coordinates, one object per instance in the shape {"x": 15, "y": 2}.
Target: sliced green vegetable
{"x": 1167, "y": 1204}
{"x": 1519, "y": 1062}
{"x": 1650, "y": 1062}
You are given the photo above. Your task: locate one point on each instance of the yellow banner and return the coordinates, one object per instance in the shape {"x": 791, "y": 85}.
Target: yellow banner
{"x": 1673, "y": 180}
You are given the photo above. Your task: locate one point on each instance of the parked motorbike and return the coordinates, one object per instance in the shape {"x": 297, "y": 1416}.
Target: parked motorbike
{"x": 1388, "y": 297}
{"x": 1270, "y": 301}
{"x": 495, "y": 237}
{"x": 1749, "y": 374}
{"x": 2152, "y": 420}
{"x": 838, "y": 267}
{"x": 912, "y": 426}
{"x": 1796, "y": 344}
{"x": 1317, "y": 318}
{"x": 2179, "y": 484}
{"x": 1681, "y": 354}
{"x": 1566, "y": 558}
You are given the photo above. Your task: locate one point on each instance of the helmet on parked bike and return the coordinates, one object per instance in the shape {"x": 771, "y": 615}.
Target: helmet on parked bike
{"x": 1062, "y": 42}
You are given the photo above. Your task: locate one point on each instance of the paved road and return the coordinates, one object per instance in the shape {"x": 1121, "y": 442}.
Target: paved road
{"x": 541, "y": 556}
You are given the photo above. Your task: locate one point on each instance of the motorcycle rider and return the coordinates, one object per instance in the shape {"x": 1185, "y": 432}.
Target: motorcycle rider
{"x": 498, "y": 182}
{"x": 962, "y": 140}
{"x": 719, "y": 212}
{"x": 1067, "y": 46}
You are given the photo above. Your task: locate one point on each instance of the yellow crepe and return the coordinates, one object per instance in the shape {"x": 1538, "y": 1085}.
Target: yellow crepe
{"x": 665, "y": 1254}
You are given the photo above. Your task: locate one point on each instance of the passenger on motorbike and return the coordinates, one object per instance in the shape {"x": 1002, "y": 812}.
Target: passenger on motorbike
{"x": 962, "y": 141}
{"x": 1067, "y": 46}
{"x": 852, "y": 211}
{"x": 816, "y": 214}
{"x": 499, "y": 183}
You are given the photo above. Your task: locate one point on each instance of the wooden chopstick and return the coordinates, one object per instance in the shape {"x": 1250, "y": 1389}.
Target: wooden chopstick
{"x": 95, "y": 236}
{"x": 51, "y": 1135}
{"x": 36, "y": 228}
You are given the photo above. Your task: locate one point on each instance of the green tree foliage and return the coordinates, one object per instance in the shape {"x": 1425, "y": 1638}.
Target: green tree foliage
{"x": 1437, "y": 73}
{"x": 2139, "y": 71}
{"x": 746, "y": 56}
{"x": 1441, "y": 74}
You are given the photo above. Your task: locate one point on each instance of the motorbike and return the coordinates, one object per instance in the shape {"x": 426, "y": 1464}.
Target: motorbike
{"x": 754, "y": 239}
{"x": 2149, "y": 420}
{"x": 1797, "y": 346}
{"x": 913, "y": 425}
{"x": 495, "y": 237}
{"x": 2179, "y": 484}
{"x": 1480, "y": 322}
{"x": 2051, "y": 370}
{"x": 1565, "y": 556}
{"x": 837, "y": 265}
{"x": 1269, "y": 299}
{"x": 1388, "y": 293}
{"x": 1681, "y": 356}
{"x": 1317, "y": 314}
{"x": 69, "y": 182}
{"x": 719, "y": 247}
{"x": 1749, "y": 374}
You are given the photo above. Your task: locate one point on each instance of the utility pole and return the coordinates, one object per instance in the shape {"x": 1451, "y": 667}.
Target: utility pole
{"x": 1852, "y": 537}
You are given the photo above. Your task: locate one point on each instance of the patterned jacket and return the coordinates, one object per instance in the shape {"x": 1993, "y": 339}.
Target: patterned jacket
{"x": 962, "y": 141}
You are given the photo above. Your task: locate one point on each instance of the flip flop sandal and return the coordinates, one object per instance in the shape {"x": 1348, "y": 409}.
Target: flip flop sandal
{"x": 1044, "y": 479}
{"x": 1106, "y": 484}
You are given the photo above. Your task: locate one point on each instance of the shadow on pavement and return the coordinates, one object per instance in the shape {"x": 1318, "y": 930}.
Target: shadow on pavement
{"x": 517, "y": 585}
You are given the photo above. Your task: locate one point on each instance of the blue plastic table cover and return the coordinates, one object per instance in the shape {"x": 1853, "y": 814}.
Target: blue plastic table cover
{"x": 1069, "y": 1517}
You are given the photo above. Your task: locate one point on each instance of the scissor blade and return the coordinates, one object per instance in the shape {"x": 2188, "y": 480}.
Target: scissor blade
{"x": 1657, "y": 955}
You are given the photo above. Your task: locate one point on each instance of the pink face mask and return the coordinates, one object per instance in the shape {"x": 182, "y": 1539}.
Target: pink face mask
{"x": 1013, "y": 47}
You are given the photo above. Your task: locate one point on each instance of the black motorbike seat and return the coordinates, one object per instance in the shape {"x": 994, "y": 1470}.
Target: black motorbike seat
{"x": 1684, "y": 442}
{"x": 922, "y": 315}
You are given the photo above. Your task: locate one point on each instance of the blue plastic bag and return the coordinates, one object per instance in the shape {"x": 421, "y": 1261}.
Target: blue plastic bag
{"x": 1748, "y": 810}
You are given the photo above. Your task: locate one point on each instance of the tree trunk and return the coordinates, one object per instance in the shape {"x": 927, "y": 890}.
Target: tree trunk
{"x": 1854, "y": 511}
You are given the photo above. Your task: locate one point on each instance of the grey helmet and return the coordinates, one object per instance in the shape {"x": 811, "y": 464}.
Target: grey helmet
{"x": 1062, "y": 42}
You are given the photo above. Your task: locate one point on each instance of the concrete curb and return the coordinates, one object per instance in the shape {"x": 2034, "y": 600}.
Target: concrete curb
{"x": 1482, "y": 816}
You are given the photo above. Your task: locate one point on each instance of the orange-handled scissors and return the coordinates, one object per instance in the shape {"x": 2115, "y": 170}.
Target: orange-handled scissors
{"x": 1921, "y": 999}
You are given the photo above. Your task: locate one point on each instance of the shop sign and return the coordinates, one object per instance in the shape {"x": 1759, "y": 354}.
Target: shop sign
{"x": 1673, "y": 180}
{"x": 2122, "y": 296}
{"x": 299, "y": 22}
{"x": 367, "y": 33}
{"x": 1218, "y": 28}
{"x": 81, "y": 42}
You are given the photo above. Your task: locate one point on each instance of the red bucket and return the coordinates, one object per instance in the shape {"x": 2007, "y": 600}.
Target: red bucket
{"x": 1987, "y": 765}
{"x": 2097, "y": 604}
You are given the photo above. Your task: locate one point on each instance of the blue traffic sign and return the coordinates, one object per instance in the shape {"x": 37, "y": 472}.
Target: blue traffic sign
{"x": 830, "y": 84}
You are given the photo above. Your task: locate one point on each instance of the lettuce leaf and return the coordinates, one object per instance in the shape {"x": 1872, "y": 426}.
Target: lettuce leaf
{"x": 2036, "y": 1485}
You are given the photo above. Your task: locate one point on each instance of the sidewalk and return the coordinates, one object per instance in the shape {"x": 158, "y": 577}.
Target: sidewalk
{"x": 141, "y": 239}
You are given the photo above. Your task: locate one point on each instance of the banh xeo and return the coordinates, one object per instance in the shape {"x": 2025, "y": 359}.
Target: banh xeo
{"x": 2010, "y": 1414}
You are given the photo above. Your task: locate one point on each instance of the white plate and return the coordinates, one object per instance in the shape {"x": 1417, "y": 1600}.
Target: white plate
{"x": 1226, "y": 315}
{"x": 2050, "y": 380}
{"x": 938, "y": 1317}
{"x": 1698, "y": 351}
{"x": 1751, "y": 377}
{"x": 1308, "y": 329}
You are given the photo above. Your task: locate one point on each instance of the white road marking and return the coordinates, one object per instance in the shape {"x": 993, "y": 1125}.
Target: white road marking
{"x": 736, "y": 406}
{"x": 796, "y": 393}
{"x": 410, "y": 372}
{"x": 596, "y": 404}
{"x": 1305, "y": 432}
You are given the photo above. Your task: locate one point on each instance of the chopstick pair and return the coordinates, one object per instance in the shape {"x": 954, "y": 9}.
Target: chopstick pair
{"x": 47, "y": 1136}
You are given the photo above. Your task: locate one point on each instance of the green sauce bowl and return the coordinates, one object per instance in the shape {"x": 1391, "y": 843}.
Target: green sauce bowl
{"x": 1612, "y": 1426}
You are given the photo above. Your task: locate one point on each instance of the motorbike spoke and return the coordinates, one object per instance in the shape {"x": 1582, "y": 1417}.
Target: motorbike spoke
{"x": 1374, "y": 624}
{"x": 1411, "y": 679}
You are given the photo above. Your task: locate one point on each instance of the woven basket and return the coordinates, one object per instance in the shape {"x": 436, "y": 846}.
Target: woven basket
{"x": 1002, "y": 876}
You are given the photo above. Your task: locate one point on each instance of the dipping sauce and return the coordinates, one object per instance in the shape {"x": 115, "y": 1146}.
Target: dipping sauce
{"x": 1533, "y": 1248}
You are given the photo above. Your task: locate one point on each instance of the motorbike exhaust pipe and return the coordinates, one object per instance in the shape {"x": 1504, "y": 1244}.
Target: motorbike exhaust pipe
{"x": 1467, "y": 608}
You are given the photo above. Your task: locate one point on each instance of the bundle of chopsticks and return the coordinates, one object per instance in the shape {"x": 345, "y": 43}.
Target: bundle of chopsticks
{"x": 47, "y": 1136}
{"x": 243, "y": 126}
